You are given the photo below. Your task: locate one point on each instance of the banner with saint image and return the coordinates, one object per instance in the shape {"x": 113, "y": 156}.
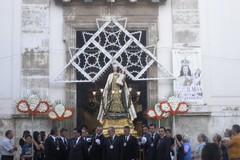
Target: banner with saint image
{"x": 187, "y": 69}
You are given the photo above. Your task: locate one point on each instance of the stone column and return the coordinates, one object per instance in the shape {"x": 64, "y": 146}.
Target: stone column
{"x": 35, "y": 47}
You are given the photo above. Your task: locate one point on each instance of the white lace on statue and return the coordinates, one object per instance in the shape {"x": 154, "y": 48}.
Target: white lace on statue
{"x": 115, "y": 102}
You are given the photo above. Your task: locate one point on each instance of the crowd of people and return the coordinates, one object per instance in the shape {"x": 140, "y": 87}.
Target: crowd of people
{"x": 155, "y": 144}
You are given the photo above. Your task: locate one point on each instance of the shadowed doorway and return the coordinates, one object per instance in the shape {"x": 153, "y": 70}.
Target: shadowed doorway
{"x": 87, "y": 107}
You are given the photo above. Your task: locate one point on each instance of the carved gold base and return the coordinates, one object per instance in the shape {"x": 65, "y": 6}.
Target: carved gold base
{"x": 118, "y": 124}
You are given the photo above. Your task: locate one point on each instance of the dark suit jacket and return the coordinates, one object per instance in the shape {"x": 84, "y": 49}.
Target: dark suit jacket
{"x": 163, "y": 148}
{"x": 96, "y": 151}
{"x": 64, "y": 149}
{"x": 129, "y": 151}
{"x": 115, "y": 152}
{"x": 78, "y": 151}
{"x": 51, "y": 151}
{"x": 149, "y": 149}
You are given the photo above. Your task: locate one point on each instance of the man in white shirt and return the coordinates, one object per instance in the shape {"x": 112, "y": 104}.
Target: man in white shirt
{"x": 7, "y": 148}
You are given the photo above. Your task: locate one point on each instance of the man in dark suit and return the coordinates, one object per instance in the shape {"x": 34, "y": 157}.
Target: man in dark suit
{"x": 129, "y": 145}
{"x": 86, "y": 136}
{"x": 169, "y": 135}
{"x": 142, "y": 142}
{"x": 96, "y": 148}
{"x": 163, "y": 146}
{"x": 112, "y": 146}
{"x": 52, "y": 148}
{"x": 63, "y": 144}
{"x": 150, "y": 144}
{"x": 77, "y": 146}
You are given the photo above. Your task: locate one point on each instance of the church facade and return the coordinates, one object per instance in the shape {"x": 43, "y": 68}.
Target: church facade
{"x": 36, "y": 36}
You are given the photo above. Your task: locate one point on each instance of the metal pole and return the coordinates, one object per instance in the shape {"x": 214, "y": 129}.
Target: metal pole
{"x": 159, "y": 123}
{"x": 174, "y": 134}
{"x": 32, "y": 142}
{"x": 60, "y": 124}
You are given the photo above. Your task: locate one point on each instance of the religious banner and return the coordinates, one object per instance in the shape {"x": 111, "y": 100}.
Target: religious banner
{"x": 188, "y": 72}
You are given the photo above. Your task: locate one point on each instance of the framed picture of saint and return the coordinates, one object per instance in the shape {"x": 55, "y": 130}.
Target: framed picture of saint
{"x": 188, "y": 72}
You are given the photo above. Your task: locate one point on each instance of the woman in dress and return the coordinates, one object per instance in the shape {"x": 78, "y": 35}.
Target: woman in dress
{"x": 202, "y": 139}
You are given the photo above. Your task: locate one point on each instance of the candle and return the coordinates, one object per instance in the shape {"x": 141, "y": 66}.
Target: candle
{"x": 94, "y": 93}
{"x": 130, "y": 89}
{"x": 101, "y": 90}
{"x": 138, "y": 93}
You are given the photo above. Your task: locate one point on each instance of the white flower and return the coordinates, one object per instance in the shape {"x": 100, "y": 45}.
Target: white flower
{"x": 68, "y": 113}
{"x": 165, "y": 107}
{"x": 59, "y": 109}
{"x": 157, "y": 109}
{"x": 174, "y": 101}
{"x": 151, "y": 113}
{"x": 183, "y": 107}
{"x": 42, "y": 107}
{"x": 33, "y": 101}
{"x": 23, "y": 107}
{"x": 52, "y": 115}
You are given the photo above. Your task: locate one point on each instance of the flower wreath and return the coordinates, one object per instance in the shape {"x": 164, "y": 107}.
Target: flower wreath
{"x": 60, "y": 112}
{"x": 32, "y": 104}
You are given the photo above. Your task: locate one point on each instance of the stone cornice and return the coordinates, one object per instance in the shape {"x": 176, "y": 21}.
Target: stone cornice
{"x": 108, "y": 2}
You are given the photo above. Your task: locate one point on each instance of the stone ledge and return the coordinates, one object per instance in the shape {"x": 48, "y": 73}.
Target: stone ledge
{"x": 6, "y": 117}
{"x": 197, "y": 114}
{"x": 20, "y": 116}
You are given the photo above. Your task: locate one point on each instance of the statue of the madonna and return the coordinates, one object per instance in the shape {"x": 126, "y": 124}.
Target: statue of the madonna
{"x": 115, "y": 102}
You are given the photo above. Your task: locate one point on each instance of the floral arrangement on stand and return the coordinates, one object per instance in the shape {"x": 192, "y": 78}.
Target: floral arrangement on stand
{"x": 170, "y": 106}
{"x": 33, "y": 104}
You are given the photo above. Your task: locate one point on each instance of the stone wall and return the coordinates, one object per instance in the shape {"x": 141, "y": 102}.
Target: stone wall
{"x": 215, "y": 116}
{"x": 35, "y": 47}
{"x": 35, "y": 63}
{"x": 185, "y": 22}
